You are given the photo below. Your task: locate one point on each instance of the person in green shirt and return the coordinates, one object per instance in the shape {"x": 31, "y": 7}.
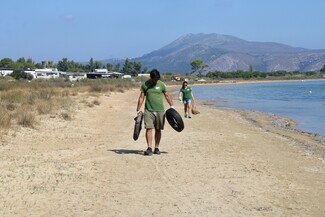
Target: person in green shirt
{"x": 186, "y": 96}
{"x": 153, "y": 92}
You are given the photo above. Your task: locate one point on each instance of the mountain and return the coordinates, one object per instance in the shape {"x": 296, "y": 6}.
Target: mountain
{"x": 229, "y": 53}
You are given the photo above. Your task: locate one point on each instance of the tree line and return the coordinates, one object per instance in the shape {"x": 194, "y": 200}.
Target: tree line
{"x": 134, "y": 68}
{"x": 129, "y": 67}
{"x": 217, "y": 75}
{"x": 198, "y": 67}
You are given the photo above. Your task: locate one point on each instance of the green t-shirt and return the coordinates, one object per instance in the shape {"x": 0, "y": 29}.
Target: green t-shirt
{"x": 186, "y": 93}
{"x": 154, "y": 95}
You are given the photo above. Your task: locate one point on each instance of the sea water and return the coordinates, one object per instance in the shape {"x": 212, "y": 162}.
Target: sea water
{"x": 302, "y": 101}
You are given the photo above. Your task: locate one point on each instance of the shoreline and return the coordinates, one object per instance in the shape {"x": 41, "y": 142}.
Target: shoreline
{"x": 277, "y": 124}
{"x": 286, "y": 127}
{"x": 274, "y": 123}
{"x": 278, "y": 121}
{"x": 251, "y": 81}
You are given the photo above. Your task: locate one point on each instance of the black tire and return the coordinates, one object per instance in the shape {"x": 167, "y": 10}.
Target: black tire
{"x": 137, "y": 126}
{"x": 174, "y": 119}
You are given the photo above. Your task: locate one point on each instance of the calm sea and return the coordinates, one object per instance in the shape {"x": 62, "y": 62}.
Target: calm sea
{"x": 302, "y": 101}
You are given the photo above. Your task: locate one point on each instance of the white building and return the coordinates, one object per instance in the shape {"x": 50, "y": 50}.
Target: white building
{"x": 101, "y": 71}
{"x": 4, "y": 71}
{"x": 76, "y": 76}
{"x": 127, "y": 76}
{"x": 46, "y": 73}
{"x": 144, "y": 75}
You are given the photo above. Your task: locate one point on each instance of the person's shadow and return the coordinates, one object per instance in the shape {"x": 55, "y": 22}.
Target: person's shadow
{"x": 127, "y": 151}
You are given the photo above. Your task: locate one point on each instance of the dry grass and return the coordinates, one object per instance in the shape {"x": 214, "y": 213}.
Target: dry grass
{"x": 44, "y": 107}
{"x": 23, "y": 101}
{"x": 5, "y": 118}
{"x": 96, "y": 102}
{"x": 26, "y": 118}
{"x": 66, "y": 116}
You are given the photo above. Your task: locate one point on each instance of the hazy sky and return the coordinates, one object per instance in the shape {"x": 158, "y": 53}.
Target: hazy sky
{"x": 102, "y": 29}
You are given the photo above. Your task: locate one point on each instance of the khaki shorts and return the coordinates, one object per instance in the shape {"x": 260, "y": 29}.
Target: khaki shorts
{"x": 154, "y": 120}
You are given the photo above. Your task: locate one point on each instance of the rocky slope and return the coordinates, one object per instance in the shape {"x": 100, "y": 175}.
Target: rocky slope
{"x": 228, "y": 53}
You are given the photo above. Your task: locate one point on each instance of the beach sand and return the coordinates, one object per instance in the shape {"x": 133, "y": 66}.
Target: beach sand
{"x": 224, "y": 163}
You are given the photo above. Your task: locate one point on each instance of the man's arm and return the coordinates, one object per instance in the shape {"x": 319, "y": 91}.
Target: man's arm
{"x": 140, "y": 101}
{"x": 169, "y": 99}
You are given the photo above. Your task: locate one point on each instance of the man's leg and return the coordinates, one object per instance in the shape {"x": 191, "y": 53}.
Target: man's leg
{"x": 149, "y": 137}
{"x": 157, "y": 137}
{"x": 157, "y": 141}
{"x": 149, "y": 141}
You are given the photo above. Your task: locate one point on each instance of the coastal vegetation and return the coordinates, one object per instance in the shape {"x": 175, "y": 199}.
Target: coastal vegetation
{"x": 199, "y": 70}
{"x": 252, "y": 75}
{"x": 129, "y": 67}
{"x": 22, "y": 102}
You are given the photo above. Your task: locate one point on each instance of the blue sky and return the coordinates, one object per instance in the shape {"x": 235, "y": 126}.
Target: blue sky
{"x": 103, "y": 29}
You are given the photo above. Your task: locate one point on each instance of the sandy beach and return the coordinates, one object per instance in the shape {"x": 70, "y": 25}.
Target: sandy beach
{"x": 224, "y": 163}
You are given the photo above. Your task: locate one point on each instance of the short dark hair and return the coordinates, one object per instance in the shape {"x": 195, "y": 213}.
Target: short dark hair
{"x": 155, "y": 74}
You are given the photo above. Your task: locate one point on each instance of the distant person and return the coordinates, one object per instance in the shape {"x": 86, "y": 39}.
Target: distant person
{"x": 186, "y": 96}
{"x": 153, "y": 92}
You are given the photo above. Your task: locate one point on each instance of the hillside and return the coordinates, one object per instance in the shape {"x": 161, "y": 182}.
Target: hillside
{"x": 229, "y": 53}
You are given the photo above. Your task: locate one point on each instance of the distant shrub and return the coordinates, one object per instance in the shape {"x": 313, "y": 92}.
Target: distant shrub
{"x": 96, "y": 88}
{"x": 44, "y": 107}
{"x": 19, "y": 74}
{"x": 96, "y": 102}
{"x": 26, "y": 118}
{"x": 66, "y": 116}
{"x": 11, "y": 106}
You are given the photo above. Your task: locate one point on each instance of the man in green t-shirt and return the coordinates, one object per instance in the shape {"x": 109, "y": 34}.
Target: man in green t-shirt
{"x": 153, "y": 92}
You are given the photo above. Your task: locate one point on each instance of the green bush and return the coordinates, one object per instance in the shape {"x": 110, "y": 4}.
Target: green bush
{"x": 18, "y": 74}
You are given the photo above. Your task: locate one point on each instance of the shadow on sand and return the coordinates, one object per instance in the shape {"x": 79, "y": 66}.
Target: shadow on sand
{"x": 127, "y": 151}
